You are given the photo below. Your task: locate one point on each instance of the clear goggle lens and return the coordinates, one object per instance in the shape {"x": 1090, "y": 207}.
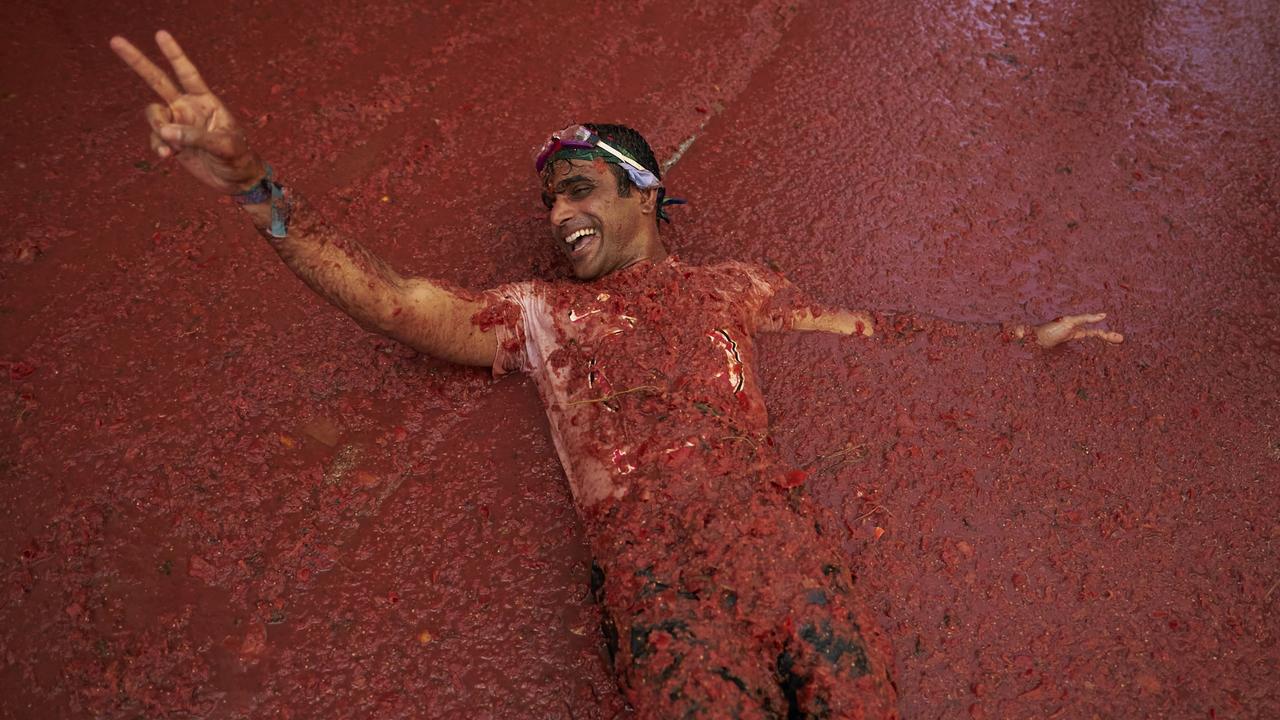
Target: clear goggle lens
{"x": 574, "y": 136}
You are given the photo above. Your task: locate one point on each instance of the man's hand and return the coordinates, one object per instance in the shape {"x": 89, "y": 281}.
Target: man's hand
{"x": 193, "y": 125}
{"x": 1073, "y": 327}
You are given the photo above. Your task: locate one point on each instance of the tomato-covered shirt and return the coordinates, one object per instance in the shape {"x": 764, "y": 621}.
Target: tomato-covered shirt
{"x": 648, "y": 374}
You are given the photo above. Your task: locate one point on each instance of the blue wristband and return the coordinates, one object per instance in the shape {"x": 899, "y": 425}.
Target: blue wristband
{"x": 259, "y": 193}
{"x": 268, "y": 190}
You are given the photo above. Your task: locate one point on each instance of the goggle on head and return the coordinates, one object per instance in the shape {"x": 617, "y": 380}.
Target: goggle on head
{"x": 579, "y": 137}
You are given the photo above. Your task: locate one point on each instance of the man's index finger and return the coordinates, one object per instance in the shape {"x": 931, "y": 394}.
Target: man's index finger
{"x": 147, "y": 70}
{"x": 185, "y": 69}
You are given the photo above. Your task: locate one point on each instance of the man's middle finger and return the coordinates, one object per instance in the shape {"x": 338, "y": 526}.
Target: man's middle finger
{"x": 147, "y": 70}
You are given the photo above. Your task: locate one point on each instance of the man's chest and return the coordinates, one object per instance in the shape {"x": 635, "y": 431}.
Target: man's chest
{"x": 694, "y": 344}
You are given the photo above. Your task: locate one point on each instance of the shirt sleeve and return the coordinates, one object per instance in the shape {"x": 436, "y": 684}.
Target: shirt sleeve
{"x": 506, "y": 311}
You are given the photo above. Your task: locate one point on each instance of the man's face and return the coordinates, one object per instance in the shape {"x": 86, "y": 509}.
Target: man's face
{"x": 594, "y": 227}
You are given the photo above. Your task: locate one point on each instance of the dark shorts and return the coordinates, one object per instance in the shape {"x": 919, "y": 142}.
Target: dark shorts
{"x": 730, "y": 611}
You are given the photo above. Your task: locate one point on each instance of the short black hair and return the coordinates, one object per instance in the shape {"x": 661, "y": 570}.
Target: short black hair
{"x": 633, "y": 145}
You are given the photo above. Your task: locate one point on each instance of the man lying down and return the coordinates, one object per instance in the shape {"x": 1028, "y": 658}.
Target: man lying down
{"x": 722, "y": 597}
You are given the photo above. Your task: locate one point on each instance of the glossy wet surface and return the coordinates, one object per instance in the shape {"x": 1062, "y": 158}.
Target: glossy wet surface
{"x": 225, "y": 499}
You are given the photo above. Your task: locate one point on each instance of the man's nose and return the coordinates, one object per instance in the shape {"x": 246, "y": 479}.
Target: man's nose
{"x": 561, "y": 212}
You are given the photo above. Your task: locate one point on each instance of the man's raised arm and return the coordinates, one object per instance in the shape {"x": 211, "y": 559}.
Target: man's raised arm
{"x": 196, "y": 129}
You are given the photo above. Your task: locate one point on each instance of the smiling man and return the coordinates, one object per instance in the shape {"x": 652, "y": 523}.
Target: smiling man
{"x": 722, "y": 595}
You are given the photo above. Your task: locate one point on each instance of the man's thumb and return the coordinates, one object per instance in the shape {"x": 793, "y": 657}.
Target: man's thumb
{"x": 182, "y": 135}
{"x": 221, "y": 144}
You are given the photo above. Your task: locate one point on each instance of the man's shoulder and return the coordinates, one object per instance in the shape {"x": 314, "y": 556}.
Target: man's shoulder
{"x": 727, "y": 273}
{"x": 525, "y": 288}
{"x": 761, "y": 276}
{"x": 731, "y": 267}
{"x": 538, "y": 297}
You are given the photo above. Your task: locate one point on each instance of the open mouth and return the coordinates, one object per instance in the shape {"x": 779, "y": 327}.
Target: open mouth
{"x": 581, "y": 242}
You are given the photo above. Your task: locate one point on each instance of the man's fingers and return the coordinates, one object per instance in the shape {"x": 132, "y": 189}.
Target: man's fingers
{"x": 1077, "y": 320}
{"x": 1106, "y": 335}
{"x": 182, "y": 135}
{"x": 160, "y": 147}
{"x": 221, "y": 144}
{"x": 158, "y": 116}
{"x": 147, "y": 70}
{"x": 186, "y": 71}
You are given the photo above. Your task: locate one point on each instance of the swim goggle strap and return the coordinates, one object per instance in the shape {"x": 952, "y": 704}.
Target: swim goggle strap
{"x": 577, "y": 142}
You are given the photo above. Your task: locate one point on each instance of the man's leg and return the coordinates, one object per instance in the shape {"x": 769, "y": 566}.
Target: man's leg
{"x": 676, "y": 659}
{"x": 714, "y": 613}
{"x": 830, "y": 657}
{"x": 832, "y": 664}
{"x": 827, "y": 669}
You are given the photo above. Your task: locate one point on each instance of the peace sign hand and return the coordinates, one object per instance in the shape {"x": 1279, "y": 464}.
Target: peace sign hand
{"x": 193, "y": 125}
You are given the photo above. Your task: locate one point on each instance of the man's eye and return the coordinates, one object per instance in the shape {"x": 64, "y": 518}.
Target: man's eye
{"x": 580, "y": 191}
{"x": 548, "y": 201}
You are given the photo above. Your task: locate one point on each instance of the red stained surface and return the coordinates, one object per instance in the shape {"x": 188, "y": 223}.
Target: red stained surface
{"x": 226, "y": 499}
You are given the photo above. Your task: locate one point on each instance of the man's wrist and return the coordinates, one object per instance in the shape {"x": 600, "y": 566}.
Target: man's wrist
{"x": 268, "y": 204}
{"x": 1019, "y": 333}
{"x": 259, "y": 213}
{"x": 259, "y": 191}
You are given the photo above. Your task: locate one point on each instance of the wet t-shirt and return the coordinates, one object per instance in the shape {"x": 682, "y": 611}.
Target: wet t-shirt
{"x": 648, "y": 374}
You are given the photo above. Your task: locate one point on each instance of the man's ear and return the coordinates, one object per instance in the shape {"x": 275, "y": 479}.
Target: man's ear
{"x": 648, "y": 201}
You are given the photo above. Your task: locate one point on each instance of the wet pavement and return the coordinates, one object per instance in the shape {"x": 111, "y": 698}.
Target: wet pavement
{"x": 226, "y": 500}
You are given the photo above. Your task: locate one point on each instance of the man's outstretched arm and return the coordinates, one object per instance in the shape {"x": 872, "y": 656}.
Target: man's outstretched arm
{"x": 426, "y": 315}
{"x": 195, "y": 128}
{"x": 858, "y": 322}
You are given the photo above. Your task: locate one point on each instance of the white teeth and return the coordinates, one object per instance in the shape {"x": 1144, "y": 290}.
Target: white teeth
{"x": 579, "y": 233}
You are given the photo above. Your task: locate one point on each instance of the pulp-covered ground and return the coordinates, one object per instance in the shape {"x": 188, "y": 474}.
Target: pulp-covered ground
{"x": 225, "y": 500}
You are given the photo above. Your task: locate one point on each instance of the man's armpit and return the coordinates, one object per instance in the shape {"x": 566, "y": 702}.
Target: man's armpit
{"x": 501, "y": 317}
{"x": 770, "y": 298}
